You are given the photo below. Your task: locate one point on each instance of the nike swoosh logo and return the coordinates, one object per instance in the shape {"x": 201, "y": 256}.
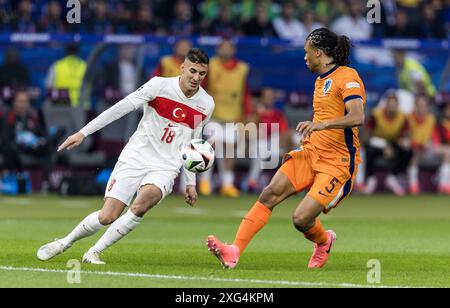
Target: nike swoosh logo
{"x": 329, "y": 248}
{"x": 321, "y": 193}
{"x": 171, "y": 125}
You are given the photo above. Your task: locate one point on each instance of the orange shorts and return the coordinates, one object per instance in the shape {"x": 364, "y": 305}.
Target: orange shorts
{"x": 328, "y": 184}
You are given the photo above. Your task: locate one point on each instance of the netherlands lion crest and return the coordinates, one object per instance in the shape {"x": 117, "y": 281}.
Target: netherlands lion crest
{"x": 327, "y": 86}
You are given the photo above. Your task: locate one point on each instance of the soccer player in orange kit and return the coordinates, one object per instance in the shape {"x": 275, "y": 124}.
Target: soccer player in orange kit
{"x": 326, "y": 162}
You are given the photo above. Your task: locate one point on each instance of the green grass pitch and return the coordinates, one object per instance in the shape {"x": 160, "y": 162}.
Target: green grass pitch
{"x": 410, "y": 237}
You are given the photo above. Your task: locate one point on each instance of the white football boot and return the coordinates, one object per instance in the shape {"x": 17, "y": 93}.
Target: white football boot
{"x": 393, "y": 184}
{"x": 51, "y": 250}
{"x": 92, "y": 257}
{"x": 371, "y": 186}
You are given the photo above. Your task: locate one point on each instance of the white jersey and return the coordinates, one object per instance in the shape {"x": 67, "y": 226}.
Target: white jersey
{"x": 169, "y": 122}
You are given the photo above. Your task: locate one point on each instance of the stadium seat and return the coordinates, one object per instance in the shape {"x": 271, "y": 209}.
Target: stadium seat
{"x": 72, "y": 120}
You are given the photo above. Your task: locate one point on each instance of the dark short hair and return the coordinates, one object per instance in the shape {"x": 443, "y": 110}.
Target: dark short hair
{"x": 197, "y": 55}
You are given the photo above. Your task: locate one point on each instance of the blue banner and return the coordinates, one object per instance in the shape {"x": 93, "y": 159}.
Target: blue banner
{"x": 202, "y": 40}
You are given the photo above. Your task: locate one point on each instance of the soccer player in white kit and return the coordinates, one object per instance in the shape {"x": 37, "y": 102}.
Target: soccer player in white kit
{"x": 175, "y": 111}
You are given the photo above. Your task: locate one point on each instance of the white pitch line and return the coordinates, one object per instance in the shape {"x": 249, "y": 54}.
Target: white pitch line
{"x": 190, "y": 211}
{"x": 73, "y": 204}
{"x": 199, "y": 278}
{"x": 15, "y": 201}
{"x": 239, "y": 214}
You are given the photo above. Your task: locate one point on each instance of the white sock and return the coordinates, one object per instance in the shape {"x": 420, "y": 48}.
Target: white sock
{"x": 117, "y": 230}
{"x": 228, "y": 178}
{"x": 255, "y": 169}
{"x": 361, "y": 175}
{"x": 444, "y": 175}
{"x": 206, "y": 176}
{"x": 413, "y": 175}
{"x": 89, "y": 226}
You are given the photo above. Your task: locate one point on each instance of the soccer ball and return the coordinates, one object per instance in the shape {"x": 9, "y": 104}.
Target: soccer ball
{"x": 198, "y": 156}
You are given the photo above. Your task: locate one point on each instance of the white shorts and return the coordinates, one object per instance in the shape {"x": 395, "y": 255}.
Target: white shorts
{"x": 126, "y": 180}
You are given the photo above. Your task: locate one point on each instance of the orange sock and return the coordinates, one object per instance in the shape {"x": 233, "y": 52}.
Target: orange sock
{"x": 317, "y": 233}
{"x": 255, "y": 219}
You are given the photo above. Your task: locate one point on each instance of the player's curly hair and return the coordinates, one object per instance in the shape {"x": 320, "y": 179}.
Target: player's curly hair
{"x": 337, "y": 47}
{"x": 197, "y": 55}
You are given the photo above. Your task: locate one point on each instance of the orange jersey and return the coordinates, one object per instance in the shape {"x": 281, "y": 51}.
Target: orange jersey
{"x": 332, "y": 91}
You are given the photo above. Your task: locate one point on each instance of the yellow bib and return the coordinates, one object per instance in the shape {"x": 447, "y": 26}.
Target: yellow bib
{"x": 170, "y": 67}
{"x": 389, "y": 129}
{"x": 227, "y": 87}
{"x": 421, "y": 132}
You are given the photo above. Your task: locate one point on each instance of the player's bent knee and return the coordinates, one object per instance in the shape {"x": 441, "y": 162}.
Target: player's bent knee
{"x": 111, "y": 211}
{"x": 148, "y": 198}
{"x": 106, "y": 218}
{"x": 140, "y": 209}
{"x": 302, "y": 222}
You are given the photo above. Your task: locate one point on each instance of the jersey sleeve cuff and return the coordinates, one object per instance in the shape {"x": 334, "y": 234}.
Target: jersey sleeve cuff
{"x": 349, "y": 98}
{"x": 84, "y": 132}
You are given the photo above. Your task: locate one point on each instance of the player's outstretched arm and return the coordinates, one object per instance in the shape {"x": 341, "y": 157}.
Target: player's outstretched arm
{"x": 72, "y": 142}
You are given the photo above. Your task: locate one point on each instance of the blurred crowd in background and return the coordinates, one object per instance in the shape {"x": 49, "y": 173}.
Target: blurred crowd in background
{"x": 268, "y": 18}
{"x": 405, "y": 134}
